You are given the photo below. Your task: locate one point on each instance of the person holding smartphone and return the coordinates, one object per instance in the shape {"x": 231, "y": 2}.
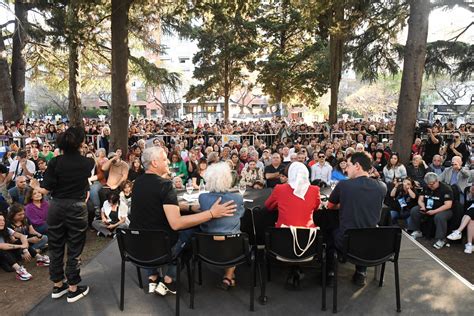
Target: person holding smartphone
{"x": 436, "y": 202}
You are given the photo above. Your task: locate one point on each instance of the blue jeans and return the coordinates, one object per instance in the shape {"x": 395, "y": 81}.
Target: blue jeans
{"x": 40, "y": 244}
{"x": 94, "y": 194}
{"x": 184, "y": 237}
{"x": 395, "y": 215}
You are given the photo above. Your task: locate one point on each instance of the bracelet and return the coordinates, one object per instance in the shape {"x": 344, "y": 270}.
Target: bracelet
{"x": 190, "y": 208}
{"x": 212, "y": 216}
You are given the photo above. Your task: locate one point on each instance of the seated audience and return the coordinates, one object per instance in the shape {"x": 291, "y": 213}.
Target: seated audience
{"x": 112, "y": 216}
{"x": 417, "y": 169}
{"x": 394, "y": 169}
{"x": 435, "y": 202}
{"x": 272, "y": 171}
{"x": 136, "y": 169}
{"x": 321, "y": 171}
{"x": 456, "y": 176}
{"x": 340, "y": 171}
{"x": 20, "y": 223}
{"x": 199, "y": 173}
{"x": 436, "y": 165}
{"x": 178, "y": 167}
{"x": 36, "y": 210}
{"x": 18, "y": 192}
{"x": 14, "y": 248}
{"x": 218, "y": 182}
{"x": 403, "y": 198}
{"x": 252, "y": 176}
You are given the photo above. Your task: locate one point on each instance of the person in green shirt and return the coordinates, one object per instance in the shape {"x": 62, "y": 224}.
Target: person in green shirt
{"x": 178, "y": 167}
{"x": 46, "y": 152}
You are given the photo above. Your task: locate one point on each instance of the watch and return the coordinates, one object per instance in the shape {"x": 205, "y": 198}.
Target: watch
{"x": 190, "y": 208}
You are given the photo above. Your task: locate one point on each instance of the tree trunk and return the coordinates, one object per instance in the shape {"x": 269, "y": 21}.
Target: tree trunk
{"x": 7, "y": 101}
{"x": 226, "y": 91}
{"x": 336, "y": 51}
{"x": 412, "y": 77}
{"x": 18, "y": 59}
{"x": 75, "y": 107}
{"x": 120, "y": 89}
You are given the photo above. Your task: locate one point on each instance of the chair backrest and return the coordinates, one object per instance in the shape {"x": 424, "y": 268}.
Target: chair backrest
{"x": 279, "y": 244}
{"x": 221, "y": 249}
{"x": 145, "y": 248}
{"x": 372, "y": 245}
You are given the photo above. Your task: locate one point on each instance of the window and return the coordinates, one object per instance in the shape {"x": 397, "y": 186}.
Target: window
{"x": 183, "y": 60}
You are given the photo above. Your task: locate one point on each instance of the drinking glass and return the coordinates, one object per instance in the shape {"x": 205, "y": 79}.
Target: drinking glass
{"x": 242, "y": 188}
{"x": 189, "y": 187}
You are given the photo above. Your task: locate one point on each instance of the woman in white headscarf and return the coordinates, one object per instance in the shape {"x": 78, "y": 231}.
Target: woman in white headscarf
{"x": 295, "y": 200}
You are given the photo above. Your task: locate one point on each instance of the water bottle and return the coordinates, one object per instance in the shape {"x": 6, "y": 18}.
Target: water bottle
{"x": 202, "y": 187}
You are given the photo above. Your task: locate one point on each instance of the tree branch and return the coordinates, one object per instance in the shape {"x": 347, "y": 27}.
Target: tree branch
{"x": 6, "y": 24}
{"x": 455, "y": 38}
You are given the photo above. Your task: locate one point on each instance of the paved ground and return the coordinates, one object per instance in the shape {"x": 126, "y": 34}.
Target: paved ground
{"x": 18, "y": 297}
{"x": 426, "y": 289}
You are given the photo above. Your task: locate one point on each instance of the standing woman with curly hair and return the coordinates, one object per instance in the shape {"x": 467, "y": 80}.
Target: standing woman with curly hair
{"x": 66, "y": 178}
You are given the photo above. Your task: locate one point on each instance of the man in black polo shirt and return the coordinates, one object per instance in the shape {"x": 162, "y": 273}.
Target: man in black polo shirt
{"x": 155, "y": 206}
{"x": 272, "y": 171}
{"x": 359, "y": 201}
{"x": 436, "y": 202}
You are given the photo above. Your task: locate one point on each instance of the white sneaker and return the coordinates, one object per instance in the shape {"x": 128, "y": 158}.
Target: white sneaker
{"x": 455, "y": 235}
{"x": 152, "y": 287}
{"x": 439, "y": 244}
{"x": 22, "y": 274}
{"x": 468, "y": 248}
{"x": 416, "y": 234}
{"x": 42, "y": 260}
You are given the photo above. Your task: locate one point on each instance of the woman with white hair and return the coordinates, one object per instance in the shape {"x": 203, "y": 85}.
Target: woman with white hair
{"x": 218, "y": 182}
{"x": 296, "y": 200}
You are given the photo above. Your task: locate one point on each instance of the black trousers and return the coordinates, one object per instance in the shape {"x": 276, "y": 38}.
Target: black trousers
{"x": 67, "y": 227}
{"x": 104, "y": 194}
{"x": 10, "y": 257}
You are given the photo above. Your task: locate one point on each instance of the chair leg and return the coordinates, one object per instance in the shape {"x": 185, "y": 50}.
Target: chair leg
{"x": 397, "y": 286}
{"x": 334, "y": 293}
{"x": 263, "y": 298}
{"x": 188, "y": 271}
{"x": 199, "y": 272}
{"x": 140, "y": 281}
{"x": 269, "y": 272}
{"x": 323, "y": 303}
{"x": 193, "y": 282}
{"x": 122, "y": 285}
{"x": 381, "y": 274}
{"x": 178, "y": 280}
{"x": 252, "y": 286}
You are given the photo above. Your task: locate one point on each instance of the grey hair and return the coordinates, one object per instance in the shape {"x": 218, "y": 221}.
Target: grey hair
{"x": 101, "y": 151}
{"x": 459, "y": 159}
{"x": 149, "y": 155}
{"x": 431, "y": 177}
{"x": 218, "y": 177}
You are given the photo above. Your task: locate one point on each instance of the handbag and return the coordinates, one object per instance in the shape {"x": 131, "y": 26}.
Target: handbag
{"x": 297, "y": 249}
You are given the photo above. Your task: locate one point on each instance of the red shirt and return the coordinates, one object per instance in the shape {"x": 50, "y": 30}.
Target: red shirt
{"x": 293, "y": 211}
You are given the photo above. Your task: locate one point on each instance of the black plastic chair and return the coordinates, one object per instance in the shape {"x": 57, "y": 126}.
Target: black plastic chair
{"x": 279, "y": 247}
{"x": 147, "y": 249}
{"x": 370, "y": 247}
{"x": 222, "y": 251}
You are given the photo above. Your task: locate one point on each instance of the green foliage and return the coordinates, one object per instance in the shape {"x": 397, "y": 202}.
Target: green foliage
{"x": 295, "y": 67}
{"x": 226, "y": 38}
{"x": 134, "y": 110}
{"x": 450, "y": 58}
{"x": 153, "y": 75}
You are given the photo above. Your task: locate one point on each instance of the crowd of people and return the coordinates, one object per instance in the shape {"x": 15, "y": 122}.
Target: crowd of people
{"x": 138, "y": 188}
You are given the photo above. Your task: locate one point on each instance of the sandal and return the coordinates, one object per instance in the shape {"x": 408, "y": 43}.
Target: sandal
{"x": 226, "y": 284}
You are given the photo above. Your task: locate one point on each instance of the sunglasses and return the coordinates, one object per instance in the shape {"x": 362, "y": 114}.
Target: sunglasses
{"x": 322, "y": 156}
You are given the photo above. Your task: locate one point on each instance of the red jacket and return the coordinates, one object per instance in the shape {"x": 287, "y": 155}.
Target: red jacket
{"x": 293, "y": 211}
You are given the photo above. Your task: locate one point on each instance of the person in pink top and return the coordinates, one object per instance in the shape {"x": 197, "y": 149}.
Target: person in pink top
{"x": 296, "y": 200}
{"x": 36, "y": 210}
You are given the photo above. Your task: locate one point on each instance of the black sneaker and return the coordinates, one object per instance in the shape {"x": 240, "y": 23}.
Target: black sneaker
{"x": 60, "y": 291}
{"x": 359, "y": 279}
{"x": 76, "y": 296}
